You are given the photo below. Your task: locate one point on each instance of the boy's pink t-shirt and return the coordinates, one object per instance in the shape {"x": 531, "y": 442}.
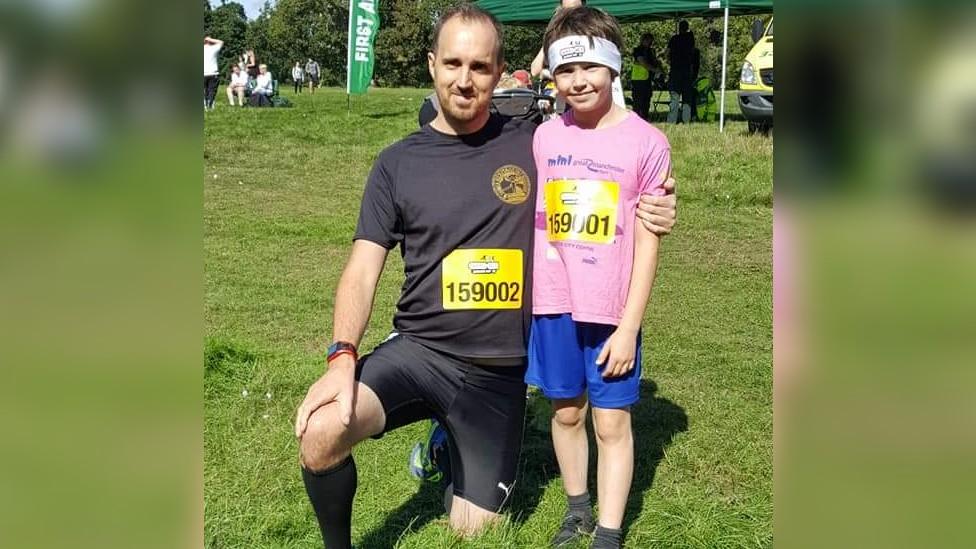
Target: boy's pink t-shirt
{"x": 591, "y": 181}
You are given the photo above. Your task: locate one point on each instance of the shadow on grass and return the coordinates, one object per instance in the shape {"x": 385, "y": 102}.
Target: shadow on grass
{"x": 426, "y": 505}
{"x": 655, "y": 423}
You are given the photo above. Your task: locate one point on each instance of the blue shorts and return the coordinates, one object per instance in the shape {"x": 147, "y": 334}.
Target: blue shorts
{"x": 562, "y": 362}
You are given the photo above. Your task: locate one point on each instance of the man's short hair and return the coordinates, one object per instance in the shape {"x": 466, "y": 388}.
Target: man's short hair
{"x": 470, "y": 13}
{"x": 583, "y": 21}
{"x": 682, "y": 26}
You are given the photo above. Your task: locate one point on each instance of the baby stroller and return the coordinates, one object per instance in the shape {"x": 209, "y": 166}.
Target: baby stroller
{"x": 521, "y": 103}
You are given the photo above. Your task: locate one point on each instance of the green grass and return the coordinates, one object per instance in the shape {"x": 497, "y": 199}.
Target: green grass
{"x": 281, "y": 191}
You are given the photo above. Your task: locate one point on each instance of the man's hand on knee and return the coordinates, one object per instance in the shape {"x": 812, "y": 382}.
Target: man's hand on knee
{"x": 336, "y": 385}
{"x": 659, "y": 213}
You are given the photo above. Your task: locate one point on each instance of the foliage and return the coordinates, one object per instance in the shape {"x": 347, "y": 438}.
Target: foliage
{"x": 294, "y": 30}
{"x": 228, "y": 23}
{"x": 740, "y": 42}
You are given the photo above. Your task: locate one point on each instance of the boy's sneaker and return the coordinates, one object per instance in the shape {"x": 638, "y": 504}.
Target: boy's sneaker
{"x": 607, "y": 538}
{"x": 430, "y": 459}
{"x": 573, "y": 528}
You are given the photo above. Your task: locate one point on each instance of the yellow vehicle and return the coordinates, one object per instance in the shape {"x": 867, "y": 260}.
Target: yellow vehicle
{"x": 756, "y": 80}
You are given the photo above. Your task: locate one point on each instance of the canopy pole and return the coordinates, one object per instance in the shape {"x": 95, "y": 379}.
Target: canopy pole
{"x": 725, "y": 60}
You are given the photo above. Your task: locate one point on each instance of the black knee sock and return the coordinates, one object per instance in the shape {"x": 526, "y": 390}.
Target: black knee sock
{"x": 331, "y": 493}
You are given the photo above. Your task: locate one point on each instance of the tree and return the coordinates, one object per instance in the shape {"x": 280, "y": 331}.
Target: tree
{"x": 229, "y": 23}
{"x": 294, "y": 30}
{"x": 207, "y": 13}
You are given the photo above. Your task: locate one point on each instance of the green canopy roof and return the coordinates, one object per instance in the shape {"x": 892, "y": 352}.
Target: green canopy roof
{"x": 540, "y": 11}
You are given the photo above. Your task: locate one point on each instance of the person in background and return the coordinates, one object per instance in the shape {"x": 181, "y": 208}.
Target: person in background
{"x": 298, "y": 76}
{"x": 251, "y": 63}
{"x": 645, "y": 67}
{"x": 681, "y": 82}
{"x": 312, "y": 73}
{"x": 523, "y": 78}
{"x": 211, "y": 72}
{"x": 262, "y": 92}
{"x": 237, "y": 85}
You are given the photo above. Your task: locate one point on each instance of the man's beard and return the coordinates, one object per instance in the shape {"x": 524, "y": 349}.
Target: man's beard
{"x": 451, "y": 112}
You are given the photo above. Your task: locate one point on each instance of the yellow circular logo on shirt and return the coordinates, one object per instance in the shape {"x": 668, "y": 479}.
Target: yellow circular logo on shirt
{"x": 511, "y": 184}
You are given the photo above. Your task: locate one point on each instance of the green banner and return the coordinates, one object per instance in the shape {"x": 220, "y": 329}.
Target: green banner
{"x": 364, "y": 23}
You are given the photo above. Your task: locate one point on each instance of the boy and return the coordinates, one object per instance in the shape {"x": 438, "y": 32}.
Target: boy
{"x": 593, "y": 266}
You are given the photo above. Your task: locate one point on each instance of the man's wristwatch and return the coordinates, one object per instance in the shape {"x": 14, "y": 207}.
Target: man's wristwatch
{"x": 341, "y": 348}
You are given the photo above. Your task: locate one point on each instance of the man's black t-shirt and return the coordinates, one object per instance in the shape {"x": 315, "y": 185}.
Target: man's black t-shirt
{"x": 461, "y": 208}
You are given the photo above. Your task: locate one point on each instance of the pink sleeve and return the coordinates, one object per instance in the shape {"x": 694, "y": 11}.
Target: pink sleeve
{"x": 655, "y": 167}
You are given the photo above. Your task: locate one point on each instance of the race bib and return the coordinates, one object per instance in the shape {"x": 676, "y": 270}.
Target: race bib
{"x": 582, "y": 209}
{"x": 482, "y": 279}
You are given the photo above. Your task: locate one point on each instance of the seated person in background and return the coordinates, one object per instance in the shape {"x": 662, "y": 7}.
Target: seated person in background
{"x": 237, "y": 85}
{"x": 523, "y": 77}
{"x": 262, "y": 92}
{"x": 507, "y": 83}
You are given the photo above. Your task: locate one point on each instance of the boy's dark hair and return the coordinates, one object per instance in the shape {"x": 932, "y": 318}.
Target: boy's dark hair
{"x": 470, "y": 13}
{"x": 583, "y": 21}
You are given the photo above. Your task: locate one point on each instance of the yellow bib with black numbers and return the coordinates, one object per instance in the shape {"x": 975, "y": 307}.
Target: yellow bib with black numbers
{"x": 582, "y": 209}
{"x": 489, "y": 278}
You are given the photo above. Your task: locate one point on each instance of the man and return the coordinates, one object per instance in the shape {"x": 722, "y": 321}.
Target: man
{"x": 641, "y": 75}
{"x": 681, "y": 83}
{"x": 458, "y": 197}
{"x": 312, "y": 72}
{"x": 211, "y": 72}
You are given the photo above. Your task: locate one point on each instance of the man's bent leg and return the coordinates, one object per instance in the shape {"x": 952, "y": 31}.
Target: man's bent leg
{"x": 467, "y": 518}
{"x": 327, "y": 465}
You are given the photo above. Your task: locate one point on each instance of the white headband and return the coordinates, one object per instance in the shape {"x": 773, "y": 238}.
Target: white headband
{"x": 577, "y": 49}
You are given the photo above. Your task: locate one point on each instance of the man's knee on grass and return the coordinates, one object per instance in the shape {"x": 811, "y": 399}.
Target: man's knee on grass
{"x": 468, "y": 519}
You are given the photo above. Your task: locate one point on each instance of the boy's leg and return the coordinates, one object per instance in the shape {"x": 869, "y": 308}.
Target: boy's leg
{"x": 570, "y": 444}
{"x": 556, "y": 365}
{"x": 572, "y": 453}
{"x": 615, "y": 463}
{"x": 610, "y": 399}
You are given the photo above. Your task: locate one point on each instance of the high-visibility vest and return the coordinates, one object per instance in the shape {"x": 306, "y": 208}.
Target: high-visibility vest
{"x": 637, "y": 72}
{"x": 707, "y": 106}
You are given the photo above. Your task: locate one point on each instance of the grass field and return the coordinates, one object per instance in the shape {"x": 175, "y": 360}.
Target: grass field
{"x": 281, "y": 192}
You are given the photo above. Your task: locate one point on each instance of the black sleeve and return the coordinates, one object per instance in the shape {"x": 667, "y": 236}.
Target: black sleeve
{"x": 379, "y": 218}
